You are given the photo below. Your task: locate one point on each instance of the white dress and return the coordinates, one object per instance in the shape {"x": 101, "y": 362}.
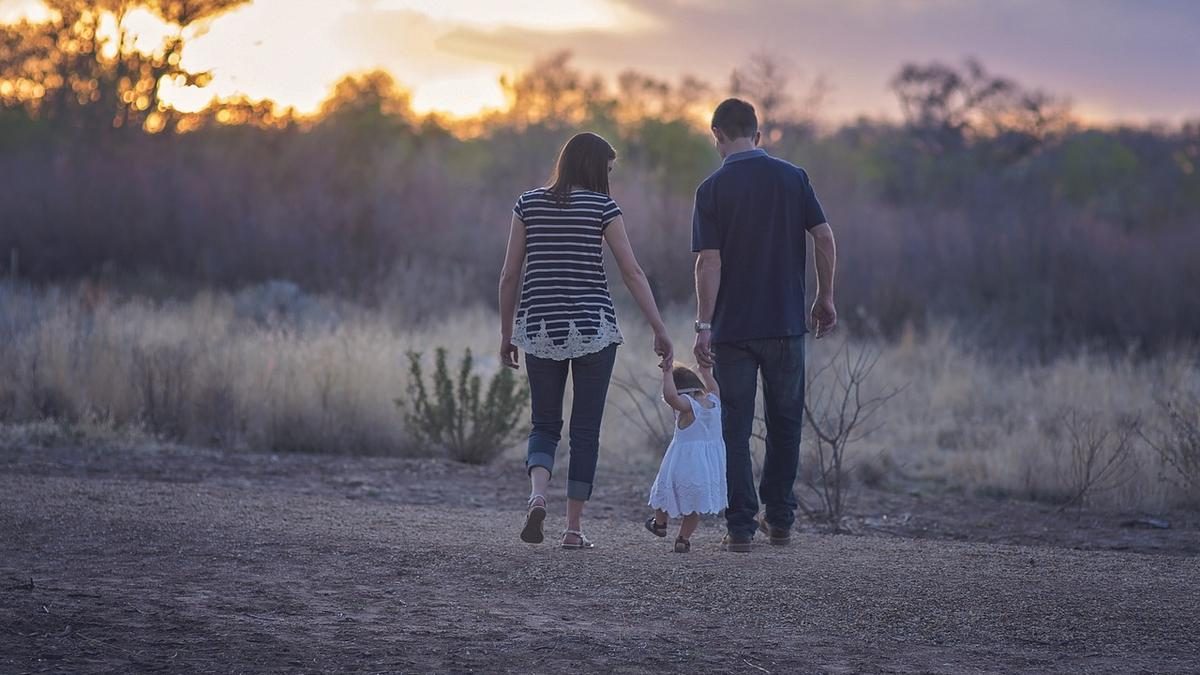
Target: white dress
{"x": 692, "y": 476}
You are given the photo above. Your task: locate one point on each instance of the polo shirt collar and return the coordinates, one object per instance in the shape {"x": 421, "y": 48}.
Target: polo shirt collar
{"x": 745, "y": 154}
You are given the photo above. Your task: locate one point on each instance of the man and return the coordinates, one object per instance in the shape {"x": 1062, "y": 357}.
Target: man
{"x": 749, "y": 228}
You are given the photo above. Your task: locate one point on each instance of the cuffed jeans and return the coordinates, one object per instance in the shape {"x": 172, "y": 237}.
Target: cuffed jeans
{"x": 547, "y": 382}
{"x": 781, "y": 361}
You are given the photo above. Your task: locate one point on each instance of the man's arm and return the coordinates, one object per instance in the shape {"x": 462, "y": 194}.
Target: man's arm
{"x": 708, "y": 283}
{"x": 824, "y": 313}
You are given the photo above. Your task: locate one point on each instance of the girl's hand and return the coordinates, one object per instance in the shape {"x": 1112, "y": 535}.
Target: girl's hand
{"x": 508, "y": 353}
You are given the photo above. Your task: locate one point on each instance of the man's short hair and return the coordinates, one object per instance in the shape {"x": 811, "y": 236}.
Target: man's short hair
{"x": 735, "y": 118}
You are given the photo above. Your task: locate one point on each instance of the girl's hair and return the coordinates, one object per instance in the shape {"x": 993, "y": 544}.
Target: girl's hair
{"x": 686, "y": 378}
{"x": 583, "y": 163}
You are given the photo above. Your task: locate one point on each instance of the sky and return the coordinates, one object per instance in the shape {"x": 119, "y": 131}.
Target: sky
{"x": 1117, "y": 60}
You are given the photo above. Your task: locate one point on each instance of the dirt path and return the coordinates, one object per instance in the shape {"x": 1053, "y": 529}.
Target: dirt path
{"x": 188, "y": 561}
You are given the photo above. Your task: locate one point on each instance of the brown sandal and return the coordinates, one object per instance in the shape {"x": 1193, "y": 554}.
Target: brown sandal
{"x": 682, "y": 545}
{"x": 532, "y": 532}
{"x": 584, "y": 542}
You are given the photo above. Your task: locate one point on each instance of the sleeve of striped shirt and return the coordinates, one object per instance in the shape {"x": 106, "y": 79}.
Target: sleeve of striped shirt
{"x": 519, "y": 207}
{"x": 611, "y": 211}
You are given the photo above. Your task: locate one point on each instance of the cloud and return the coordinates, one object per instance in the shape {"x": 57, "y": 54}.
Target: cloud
{"x": 1116, "y": 58}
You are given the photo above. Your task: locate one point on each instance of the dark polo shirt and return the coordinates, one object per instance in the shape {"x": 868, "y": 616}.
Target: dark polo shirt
{"x": 756, "y": 209}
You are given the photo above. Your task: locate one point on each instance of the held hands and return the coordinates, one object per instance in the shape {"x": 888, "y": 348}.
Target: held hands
{"x": 824, "y": 316}
{"x": 703, "y": 349}
{"x": 508, "y": 353}
{"x": 664, "y": 349}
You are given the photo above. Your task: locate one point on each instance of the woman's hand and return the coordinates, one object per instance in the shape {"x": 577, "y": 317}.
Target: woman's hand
{"x": 508, "y": 352}
{"x": 664, "y": 348}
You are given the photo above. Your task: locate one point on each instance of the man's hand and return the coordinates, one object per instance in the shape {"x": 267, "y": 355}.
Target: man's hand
{"x": 508, "y": 352}
{"x": 824, "y": 316}
{"x": 703, "y": 349}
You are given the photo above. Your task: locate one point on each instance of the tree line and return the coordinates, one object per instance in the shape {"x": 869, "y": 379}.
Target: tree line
{"x": 988, "y": 203}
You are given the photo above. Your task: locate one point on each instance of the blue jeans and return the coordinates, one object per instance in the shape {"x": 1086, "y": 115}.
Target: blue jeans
{"x": 781, "y": 361}
{"x": 547, "y": 382}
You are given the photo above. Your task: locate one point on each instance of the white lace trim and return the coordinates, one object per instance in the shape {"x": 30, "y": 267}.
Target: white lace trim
{"x": 574, "y": 346}
{"x": 680, "y": 500}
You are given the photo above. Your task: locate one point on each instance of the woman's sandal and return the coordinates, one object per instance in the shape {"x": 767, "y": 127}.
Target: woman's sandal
{"x": 584, "y": 542}
{"x": 532, "y": 532}
{"x": 656, "y": 529}
{"x": 682, "y": 545}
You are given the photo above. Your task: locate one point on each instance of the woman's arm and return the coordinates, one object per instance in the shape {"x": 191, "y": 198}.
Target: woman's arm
{"x": 670, "y": 394}
{"x": 510, "y": 279}
{"x": 635, "y": 280}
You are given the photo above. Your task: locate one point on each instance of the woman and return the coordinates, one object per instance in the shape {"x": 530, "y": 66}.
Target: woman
{"x": 565, "y": 319}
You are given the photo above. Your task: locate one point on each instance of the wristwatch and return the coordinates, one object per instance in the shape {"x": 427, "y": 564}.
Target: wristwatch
{"x": 703, "y": 326}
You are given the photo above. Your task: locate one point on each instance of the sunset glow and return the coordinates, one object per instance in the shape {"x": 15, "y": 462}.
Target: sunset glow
{"x": 292, "y": 52}
{"x": 450, "y": 54}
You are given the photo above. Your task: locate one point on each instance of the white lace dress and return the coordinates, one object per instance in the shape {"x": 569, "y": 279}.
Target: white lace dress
{"x": 692, "y": 476}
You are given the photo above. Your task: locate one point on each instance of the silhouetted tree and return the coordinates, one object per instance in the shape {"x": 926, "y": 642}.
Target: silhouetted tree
{"x": 554, "y": 94}
{"x": 945, "y": 106}
{"x": 766, "y": 82}
{"x": 71, "y": 70}
{"x": 239, "y": 111}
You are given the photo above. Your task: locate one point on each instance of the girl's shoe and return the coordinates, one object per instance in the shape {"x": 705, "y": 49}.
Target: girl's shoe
{"x": 583, "y": 542}
{"x": 532, "y": 532}
{"x": 656, "y": 529}
{"x": 682, "y": 545}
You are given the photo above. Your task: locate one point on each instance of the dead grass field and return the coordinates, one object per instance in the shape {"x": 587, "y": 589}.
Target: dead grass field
{"x": 273, "y": 369}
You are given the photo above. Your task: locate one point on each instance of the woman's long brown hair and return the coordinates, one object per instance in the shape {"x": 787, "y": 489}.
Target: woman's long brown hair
{"x": 583, "y": 163}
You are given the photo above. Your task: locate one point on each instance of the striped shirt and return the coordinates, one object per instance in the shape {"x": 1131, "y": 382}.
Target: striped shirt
{"x": 566, "y": 310}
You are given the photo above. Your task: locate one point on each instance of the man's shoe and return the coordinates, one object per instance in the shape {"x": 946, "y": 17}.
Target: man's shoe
{"x": 778, "y": 536}
{"x": 736, "y": 544}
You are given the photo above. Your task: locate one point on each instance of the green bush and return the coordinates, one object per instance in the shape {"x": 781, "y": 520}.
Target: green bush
{"x": 455, "y": 418}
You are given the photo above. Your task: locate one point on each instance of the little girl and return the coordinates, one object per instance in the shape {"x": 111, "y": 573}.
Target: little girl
{"x": 691, "y": 479}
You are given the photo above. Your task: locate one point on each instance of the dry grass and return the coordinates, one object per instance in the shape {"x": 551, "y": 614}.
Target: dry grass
{"x": 273, "y": 369}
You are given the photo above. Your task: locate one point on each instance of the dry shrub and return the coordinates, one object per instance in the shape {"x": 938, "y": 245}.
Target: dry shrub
{"x": 1177, "y": 443}
{"x": 1096, "y": 457}
{"x": 455, "y": 415}
{"x": 163, "y": 375}
{"x": 841, "y": 412}
{"x": 638, "y": 401}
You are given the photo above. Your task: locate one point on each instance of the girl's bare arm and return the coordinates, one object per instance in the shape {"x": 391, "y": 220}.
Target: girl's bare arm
{"x": 671, "y": 395}
{"x": 710, "y": 382}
